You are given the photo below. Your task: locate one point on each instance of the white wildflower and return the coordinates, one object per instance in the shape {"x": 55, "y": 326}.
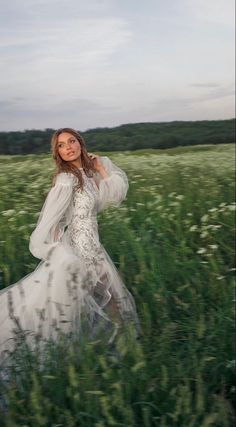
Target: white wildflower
{"x": 231, "y": 364}
{"x": 201, "y": 251}
{"x": 12, "y": 219}
{"x": 204, "y": 218}
{"x": 193, "y": 228}
{"x": 22, "y": 228}
{"x": 214, "y": 247}
{"x": 216, "y": 226}
{"x": 8, "y": 213}
{"x": 204, "y": 234}
{"x": 174, "y": 204}
{"x": 159, "y": 198}
{"x": 126, "y": 220}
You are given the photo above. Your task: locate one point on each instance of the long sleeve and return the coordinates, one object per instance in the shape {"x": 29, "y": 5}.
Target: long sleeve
{"x": 113, "y": 189}
{"x": 51, "y": 220}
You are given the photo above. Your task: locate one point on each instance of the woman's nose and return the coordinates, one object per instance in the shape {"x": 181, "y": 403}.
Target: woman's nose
{"x": 68, "y": 146}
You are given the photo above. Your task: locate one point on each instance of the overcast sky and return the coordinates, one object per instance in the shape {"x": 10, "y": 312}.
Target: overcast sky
{"x": 96, "y": 63}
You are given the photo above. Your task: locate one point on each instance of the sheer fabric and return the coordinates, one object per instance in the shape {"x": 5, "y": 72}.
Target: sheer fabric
{"x": 75, "y": 281}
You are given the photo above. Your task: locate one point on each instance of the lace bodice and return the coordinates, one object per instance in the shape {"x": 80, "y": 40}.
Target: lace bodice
{"x": 82, "y": 232}
{"x": 85, "y": 202}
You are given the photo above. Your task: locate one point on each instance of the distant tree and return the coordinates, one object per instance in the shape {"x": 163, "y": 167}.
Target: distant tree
{"x": 127, "y": 137}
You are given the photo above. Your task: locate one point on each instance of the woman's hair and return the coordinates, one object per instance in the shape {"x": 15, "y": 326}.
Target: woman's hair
{"x": 63, "y": 166}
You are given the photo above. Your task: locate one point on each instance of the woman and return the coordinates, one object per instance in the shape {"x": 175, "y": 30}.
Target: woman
{"x": 75, "y": 287}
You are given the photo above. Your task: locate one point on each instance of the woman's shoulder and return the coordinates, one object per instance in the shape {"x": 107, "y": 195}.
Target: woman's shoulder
{"x": 66, "y": 178}
{"x": 106, "y": 161}
{"x": 110, "y": 166}
{"x": 105, "y": 157}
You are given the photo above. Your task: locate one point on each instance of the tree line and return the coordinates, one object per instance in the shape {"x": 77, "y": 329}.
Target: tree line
{"x": 131, "y": 136}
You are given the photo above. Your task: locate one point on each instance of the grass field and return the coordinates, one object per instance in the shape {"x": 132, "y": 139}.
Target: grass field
{"x": 173, "y": 243}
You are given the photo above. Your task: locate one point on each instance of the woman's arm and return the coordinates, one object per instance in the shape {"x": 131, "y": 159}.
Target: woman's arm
{"x": 47, "y": 233}
{"x": 113, "y": 184}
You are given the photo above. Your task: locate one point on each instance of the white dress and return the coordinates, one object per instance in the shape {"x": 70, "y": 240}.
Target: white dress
{"x": 72, "y": 285}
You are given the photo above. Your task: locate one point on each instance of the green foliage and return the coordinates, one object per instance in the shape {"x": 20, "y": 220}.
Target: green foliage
{"x": 127, "y": 137}
{"x": 172, "y": 241}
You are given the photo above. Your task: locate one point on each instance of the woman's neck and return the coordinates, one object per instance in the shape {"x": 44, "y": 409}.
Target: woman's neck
{"x": 77, "y": 163}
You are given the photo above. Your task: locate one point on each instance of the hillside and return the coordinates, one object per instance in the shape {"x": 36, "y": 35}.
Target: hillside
{"x": 127, "y": 137}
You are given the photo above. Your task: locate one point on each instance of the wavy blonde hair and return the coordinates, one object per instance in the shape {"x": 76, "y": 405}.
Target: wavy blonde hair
{"x": 63, "y": 166}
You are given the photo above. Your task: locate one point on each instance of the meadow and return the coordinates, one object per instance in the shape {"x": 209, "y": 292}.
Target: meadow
{"x": 172, "y": 241}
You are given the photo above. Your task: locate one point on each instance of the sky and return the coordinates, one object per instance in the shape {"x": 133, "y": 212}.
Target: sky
{"x": 103, "y": 63}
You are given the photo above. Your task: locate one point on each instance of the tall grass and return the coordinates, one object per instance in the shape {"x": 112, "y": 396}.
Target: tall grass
{"x": 172, "y": 241}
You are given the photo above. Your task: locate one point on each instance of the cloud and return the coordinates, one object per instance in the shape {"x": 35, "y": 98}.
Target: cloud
{"x": 205, "y": 85}
{"x": 103, "y": 62}
{"x": 5, "y": 106}
{"x": 219, "y": 12}
{"x": 216, "y": 92}
{"x": 82, "y": 43}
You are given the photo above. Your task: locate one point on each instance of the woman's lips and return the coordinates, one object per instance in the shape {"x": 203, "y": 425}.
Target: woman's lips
{"x": 70, "y": 154}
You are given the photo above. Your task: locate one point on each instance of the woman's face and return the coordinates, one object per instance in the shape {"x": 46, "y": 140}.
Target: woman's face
{"x": 68, "y": 147}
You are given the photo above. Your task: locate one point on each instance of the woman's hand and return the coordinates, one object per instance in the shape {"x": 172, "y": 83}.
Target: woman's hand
{"x": 97, "y": 163}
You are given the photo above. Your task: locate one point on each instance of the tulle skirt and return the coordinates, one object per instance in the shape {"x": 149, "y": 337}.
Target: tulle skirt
{"x": 64, "y": 294}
